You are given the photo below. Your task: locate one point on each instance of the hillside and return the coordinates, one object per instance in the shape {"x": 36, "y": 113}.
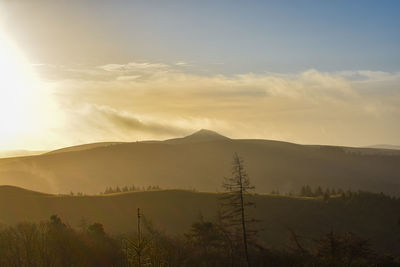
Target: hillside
{"x": 83, "y": 147}
{"x": 384, "y": 146}
{"x": 201, "y": 161}
{"x": 19, "y": 153}
{"x": 173, "y": 211}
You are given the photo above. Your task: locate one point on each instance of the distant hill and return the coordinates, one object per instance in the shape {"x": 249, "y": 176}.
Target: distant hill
{"x": 83, "y": 147}
{"x": 19, "y": 153}
{"x": 373, "y": 216}
{"x": 383, "y": 146}
{"x": 201, "y": 161}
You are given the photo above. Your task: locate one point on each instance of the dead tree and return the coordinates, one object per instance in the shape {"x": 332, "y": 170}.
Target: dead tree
{"x": 235, "y": 203}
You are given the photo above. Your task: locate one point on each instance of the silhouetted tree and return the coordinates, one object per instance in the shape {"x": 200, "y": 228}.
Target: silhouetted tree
{"x": 207, "y": 244}
{"x": 343, "y": 249}
{"x": 235, "y": 204}
{"x": 327, "y": 191}
{"x": 318, "y": 191}
{"x": 326, "y": 196}
{"x": 306, "y": 191}
{"x": 275, "y": 192}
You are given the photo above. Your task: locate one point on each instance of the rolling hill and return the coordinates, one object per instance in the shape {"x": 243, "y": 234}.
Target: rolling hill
{"x": 83, "y": 147}
{"x": 200, "y": 161}
{"x": 19, "y": 153}
{"x": 372, "y": 216}
{"x": 384, "y": 146}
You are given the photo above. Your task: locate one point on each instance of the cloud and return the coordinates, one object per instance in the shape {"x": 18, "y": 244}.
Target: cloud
{"x": 182, "y": 64}
{"x": 129, "y": 122}
{"x": 155, "y": 101}
{"x": 106, "y": 72}
{"x": 134, "y": 66}
{"x": 128, "y": 77}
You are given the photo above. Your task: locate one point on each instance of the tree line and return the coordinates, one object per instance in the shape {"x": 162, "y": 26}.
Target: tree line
{"x": 326, "y": 193}
{"x": 122, "y": 189}
{"x": 206, "y": 243}
{"x": 132, "y": 188}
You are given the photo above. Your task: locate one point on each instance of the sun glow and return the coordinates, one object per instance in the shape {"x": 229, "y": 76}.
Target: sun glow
{"x": 19, "y": 94}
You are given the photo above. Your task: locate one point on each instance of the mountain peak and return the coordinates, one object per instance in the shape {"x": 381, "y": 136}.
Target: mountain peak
{"x": 202, "y": 135}
{"x": 206, "y": 134}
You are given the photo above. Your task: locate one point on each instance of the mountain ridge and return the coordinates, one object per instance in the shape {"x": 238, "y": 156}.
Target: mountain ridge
{"x": 201, "y": 161}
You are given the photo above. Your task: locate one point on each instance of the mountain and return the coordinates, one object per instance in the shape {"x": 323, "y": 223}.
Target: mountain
{"x": 201, "y": 161}
{"x": 373, "y": 217}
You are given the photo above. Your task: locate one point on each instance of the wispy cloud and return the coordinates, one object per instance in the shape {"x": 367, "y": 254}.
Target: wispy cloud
{"x": 126, "y": 121}
{"x": 158, "y": 100}
{"x": 182, "y": 64}
{"x": 134, "y": 66}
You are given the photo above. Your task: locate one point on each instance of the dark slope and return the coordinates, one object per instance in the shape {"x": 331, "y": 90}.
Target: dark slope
{"x": 12, "y": 191}
{"x": 201, "y": 161}
{"x": 173, "y": 211}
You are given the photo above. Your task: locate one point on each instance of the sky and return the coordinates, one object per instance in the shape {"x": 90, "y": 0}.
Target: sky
{"x": 310, "y": 72}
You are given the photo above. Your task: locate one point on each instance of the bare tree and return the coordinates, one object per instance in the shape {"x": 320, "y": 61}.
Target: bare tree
{"x": 235, "y": 204}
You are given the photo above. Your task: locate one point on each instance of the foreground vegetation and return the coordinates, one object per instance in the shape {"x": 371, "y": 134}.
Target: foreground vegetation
{"x": 54, "y": 243}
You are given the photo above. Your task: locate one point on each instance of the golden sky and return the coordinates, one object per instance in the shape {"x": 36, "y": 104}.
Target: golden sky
{"x": 71, "y": 79}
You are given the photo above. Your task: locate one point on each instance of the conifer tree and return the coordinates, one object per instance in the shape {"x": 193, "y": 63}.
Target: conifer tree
{"x": 235, "y": 204}
{"x": 318, "y": 191}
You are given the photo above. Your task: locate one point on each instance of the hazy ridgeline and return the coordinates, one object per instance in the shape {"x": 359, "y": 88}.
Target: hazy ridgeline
{"x": 200, "y": 161}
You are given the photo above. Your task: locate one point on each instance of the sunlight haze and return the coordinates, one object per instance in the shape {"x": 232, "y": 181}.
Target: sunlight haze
{"x": 75, "y": 72}
{"x": 193, "y": 133}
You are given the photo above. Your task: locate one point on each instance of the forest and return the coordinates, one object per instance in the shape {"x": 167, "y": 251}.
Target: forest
{"x": 55, "y": 243}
